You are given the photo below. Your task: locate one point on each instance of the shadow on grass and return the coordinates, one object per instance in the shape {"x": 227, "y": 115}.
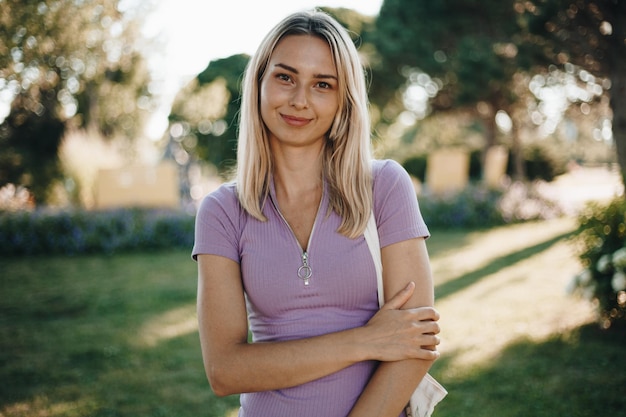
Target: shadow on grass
{"x": 466, "y": 280}
{"x": 576, "y": 374}
{"x": 100, "y": 380}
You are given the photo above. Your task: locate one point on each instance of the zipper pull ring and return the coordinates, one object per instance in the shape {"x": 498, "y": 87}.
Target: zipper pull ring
{"x": 305, "y": 272}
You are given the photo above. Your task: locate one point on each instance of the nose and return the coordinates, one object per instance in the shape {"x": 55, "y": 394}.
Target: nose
{"x": 299, "y": 99}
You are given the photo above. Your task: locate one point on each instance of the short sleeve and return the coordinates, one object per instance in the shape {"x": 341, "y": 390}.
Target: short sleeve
{"x": 218, "y": 224}
{"x": 396, "y": 207}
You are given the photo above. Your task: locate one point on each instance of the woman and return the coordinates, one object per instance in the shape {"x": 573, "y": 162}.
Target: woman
{"x": 281, "y": 251}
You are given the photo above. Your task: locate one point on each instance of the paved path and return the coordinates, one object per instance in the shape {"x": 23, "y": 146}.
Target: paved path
{"x": 583, "y": 184}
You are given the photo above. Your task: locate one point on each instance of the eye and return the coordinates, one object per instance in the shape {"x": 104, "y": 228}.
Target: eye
{"x": 283, "y": 77}
{"x": 324, "y": 85}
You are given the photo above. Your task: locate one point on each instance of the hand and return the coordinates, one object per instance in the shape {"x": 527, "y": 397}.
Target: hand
{"x": 397, "y": 334}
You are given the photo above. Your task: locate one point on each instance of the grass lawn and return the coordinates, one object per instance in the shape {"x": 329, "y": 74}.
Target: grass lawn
{"x": 116, "y": 336}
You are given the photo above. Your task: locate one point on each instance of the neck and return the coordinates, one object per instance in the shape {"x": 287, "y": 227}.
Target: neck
{"x": 297, "y": 172}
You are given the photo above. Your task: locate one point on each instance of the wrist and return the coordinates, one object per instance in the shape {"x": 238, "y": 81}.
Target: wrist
{"x": 362, "y": 349}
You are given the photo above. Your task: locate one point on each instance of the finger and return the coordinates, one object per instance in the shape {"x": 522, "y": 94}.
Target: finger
{"x": 435, "y": 354}
{"x": 429, "y": 354}
{"x": 425, "y": 313}
{"x": 400, "y": 298}
{"x": 430, "y": 327}
{"x": 431, "y": 342}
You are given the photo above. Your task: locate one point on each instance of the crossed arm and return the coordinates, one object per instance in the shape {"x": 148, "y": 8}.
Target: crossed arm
{"x": 403, "y": 338}
{"x": 392, "y": 384}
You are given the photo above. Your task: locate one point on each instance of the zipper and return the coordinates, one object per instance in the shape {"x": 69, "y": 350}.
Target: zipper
{"x": 304, "y": 271}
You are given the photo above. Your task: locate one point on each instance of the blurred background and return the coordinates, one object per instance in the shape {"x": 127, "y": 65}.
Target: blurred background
{"x": 91, "y": 86}
{"x": 118, "y": 116}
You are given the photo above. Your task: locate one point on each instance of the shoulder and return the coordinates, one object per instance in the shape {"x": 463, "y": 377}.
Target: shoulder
{"x": 395, "y": 204}
{"x": 393, "y": 186}
{"x": 391, "y": 182}
{"x": 222, "y": 202}
{"x": 388, "y": 171}
{"x": 224, "y": 194}
{"x": 219, "y": 222}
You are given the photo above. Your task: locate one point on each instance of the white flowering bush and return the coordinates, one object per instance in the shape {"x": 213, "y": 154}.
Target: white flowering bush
{"x": 601, "y": 247}
{"x": 14, "y": 198}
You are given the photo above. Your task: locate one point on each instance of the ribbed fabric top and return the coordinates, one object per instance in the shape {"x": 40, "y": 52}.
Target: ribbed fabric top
{"x": 340, "y": 294}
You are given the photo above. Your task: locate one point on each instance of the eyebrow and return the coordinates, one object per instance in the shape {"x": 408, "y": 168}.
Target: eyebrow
{"x": 295, "y": 71}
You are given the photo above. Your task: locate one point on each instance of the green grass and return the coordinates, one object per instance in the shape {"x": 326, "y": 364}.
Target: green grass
{"x": 115, "y": 336}
{"x": 102, "y": 336}
{"x": 514, "y": 342}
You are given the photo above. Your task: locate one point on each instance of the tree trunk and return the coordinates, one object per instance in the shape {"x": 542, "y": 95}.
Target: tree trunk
{"x": 618, "y": 106}
{"x": 487, "y": 118}
{"x": 518, "y": 171}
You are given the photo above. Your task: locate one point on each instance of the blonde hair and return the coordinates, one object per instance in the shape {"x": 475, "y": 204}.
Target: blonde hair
{"x": 347, "y": 153}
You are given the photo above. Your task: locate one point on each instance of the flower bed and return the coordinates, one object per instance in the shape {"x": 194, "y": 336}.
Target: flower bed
{"x": 79, "y": 232}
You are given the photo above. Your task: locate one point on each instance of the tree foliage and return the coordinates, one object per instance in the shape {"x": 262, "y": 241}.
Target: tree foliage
{"x": 65, "y": 63}
{"x": 472, "y": 58}
{"x": 204, "y": 114}
{"x": 590, "y": 34}
{"x": 468, "y": 46}
{"x": 480, "y": 56}
{"x": 464, "y": 55}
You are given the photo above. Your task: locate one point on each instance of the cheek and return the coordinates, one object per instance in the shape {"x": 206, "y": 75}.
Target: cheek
{"x": 269, "y": 93}
{"x": 331, "y": 108}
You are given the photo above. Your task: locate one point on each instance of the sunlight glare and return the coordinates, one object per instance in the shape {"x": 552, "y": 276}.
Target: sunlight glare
{"x": 503, "y": 121}
{"x": 171, "y": 324}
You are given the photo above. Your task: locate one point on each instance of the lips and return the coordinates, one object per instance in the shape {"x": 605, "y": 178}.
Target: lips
{"x": 294, "y": 120}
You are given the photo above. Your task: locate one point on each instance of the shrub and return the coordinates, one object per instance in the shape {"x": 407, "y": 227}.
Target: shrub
{"x": 416, "y": 166}
{"x": 601, "y": 247}
{"x": 79, "y": 232}
{"x": 478, "y": 206}
{"x": 75, "y": 232}
{"x": 474, "y": 207}
{"x": 525, "y": 201}
{"x": 541, "y": 162}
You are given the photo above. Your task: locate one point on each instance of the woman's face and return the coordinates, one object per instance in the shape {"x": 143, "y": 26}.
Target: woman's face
{"x": 299, "y": 91}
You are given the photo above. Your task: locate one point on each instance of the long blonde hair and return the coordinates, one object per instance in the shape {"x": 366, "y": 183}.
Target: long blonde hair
{"x": 347, "y": 153}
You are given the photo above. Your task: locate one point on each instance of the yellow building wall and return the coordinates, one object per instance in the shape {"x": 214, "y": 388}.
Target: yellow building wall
{"x": 447, "y": 170}
{"x": 138, "y": 186}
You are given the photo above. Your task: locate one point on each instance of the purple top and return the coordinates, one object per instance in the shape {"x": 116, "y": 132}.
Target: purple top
{"x": 340, "y": 294}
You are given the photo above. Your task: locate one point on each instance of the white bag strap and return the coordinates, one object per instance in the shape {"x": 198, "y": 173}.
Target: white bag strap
{"x": 371, "y": 237}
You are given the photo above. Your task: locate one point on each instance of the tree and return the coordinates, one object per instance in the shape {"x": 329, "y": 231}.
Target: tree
{"x": 590, "y": 34}
{"x": 66, "y": 63}
{"x": 469, "y": 51}
{"x": 204, "y": 114}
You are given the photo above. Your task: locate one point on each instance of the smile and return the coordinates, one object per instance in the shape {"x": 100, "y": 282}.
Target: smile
{"x": 295, "y": 121}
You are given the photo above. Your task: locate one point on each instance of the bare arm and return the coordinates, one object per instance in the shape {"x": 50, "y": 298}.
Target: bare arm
{"x": 391, "y": 386}
{"x": 233, "y": 365}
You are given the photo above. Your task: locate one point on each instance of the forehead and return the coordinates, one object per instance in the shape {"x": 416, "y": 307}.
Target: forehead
{"x": 302, "y": 51}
